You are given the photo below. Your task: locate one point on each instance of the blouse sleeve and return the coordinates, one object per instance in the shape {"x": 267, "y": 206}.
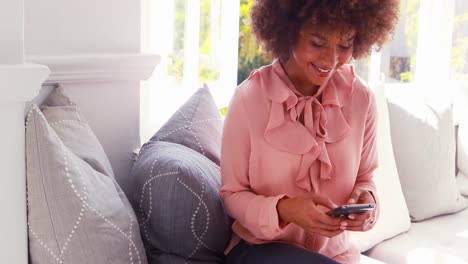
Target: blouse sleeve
{"x": 256, "y": 213}
{"x": 369, "y": 155}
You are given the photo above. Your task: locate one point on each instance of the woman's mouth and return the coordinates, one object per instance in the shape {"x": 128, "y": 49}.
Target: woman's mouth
{"x": 321, "y": 72}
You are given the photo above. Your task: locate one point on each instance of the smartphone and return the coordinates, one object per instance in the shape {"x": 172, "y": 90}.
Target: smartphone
{"x": 351, "y": 209}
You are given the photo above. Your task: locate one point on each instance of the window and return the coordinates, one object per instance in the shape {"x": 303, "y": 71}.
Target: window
{"x": 197, "y": 42}
{"x": 459, "y": 51}
{"x": 210, "y": 41}
{"x": 424, "y": 49}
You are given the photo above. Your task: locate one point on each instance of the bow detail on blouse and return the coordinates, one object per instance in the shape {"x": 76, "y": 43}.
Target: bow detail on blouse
{"x": 324, "y": 123}
{"x": 315, "y": 119}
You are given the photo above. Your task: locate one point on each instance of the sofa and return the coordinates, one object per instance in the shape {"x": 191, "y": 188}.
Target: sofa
{"x": 168, "y": 209}
{"x": 422, "y": 178}
{"x": 422, "y": 183}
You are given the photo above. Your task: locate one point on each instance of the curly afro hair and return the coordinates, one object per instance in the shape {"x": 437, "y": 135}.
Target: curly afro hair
{"x": 276, "y": 23}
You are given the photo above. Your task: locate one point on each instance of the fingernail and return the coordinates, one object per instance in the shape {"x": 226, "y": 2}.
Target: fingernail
{"x": 351, "y": 216}
{"x": 343, "y": 227}
{"x": 352, "y": 200}
{"x": 343, "y": 224}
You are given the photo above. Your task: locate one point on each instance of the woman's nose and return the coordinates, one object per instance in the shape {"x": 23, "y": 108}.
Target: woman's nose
{"x": 330, "y": 57}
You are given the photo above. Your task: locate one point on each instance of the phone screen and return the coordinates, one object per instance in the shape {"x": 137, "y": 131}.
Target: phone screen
{"x": 351, "y": 209}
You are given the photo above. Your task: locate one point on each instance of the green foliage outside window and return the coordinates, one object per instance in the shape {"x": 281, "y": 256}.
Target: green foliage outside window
{"x": 459, "y": 52}
{"x": 208, "y": 68}
{"x": 251, "y": 55}
{"x": 208, "y": 64}
{"x": 175, "y": 65}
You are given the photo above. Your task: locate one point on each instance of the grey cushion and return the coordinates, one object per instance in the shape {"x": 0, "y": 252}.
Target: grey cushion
{"x": 176, "y": 199}
{"x": 71, "y": 126}
{"x": 423, "y": 139}
{"x": 76, "y": 211}
{"x": 197, "y": 125}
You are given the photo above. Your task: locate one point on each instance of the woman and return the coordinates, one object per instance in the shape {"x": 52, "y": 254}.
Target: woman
{"x": 300, "y": 135}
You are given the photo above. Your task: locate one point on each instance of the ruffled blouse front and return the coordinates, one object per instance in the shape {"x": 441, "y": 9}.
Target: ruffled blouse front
{"x": 323, "y": 121}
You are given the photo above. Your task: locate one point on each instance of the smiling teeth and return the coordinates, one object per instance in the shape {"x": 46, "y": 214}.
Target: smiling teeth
{"x": 322, "y": 70}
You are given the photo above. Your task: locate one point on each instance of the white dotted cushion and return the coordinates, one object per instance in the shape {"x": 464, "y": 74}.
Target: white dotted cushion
{"x": 175, "y": 194}
{"x": 76, "y": 214}
{"x": 197, "y": 125}
{"x": 423, "y": 139}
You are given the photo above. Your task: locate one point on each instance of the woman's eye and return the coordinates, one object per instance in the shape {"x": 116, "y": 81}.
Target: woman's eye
{"x": 315, "y": 44}
{"x": 345, "y": 47}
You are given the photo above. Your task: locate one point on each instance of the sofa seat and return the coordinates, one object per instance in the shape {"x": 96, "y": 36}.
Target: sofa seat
{"x": 442, "y": 239}
{"x": 366, "y": 260}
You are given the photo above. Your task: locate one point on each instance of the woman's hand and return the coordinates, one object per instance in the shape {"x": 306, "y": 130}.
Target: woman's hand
{"x": 304, "y": 212}
{"x": 361, "y": 222}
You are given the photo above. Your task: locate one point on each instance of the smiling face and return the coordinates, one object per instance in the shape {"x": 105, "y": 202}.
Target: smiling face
{"x": 316, "y": 54}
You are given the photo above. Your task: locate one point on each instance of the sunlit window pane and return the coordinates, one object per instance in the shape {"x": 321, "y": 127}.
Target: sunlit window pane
{"x": 399, "y": 57}
{"x": 175, "y": 64}
{"x": 210, "y": 40}
{"x": 459, "y": 52}
{"x": 251, "y": 55}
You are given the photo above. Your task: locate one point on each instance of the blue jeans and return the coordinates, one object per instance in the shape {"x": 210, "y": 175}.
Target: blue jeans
{"x": 274, "y": 253}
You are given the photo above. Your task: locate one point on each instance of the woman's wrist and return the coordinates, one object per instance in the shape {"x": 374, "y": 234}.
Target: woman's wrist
{"x": 281, "y": 208}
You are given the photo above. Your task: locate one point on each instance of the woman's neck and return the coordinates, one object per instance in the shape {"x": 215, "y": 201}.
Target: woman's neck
{"x": 301, "y": 83}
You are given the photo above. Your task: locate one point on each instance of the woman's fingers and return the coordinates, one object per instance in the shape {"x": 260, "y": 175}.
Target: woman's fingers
{"x": 309, "y": 216}
{"x": 320, "y": 200}
{"x": 360, "y": 222}
{"x": 327, "y": 226}
{"x": 362, "y": 226}
{"x": 326, "y": 233}
{"x": 354, "y": 197}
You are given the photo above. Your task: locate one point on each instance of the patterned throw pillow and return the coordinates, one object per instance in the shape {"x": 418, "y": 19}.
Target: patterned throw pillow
{"x": 65, "y": 117}
{"x": 176, "y": 199}
{"x": 77, "y": 213}
{"x": 197, "y": 125}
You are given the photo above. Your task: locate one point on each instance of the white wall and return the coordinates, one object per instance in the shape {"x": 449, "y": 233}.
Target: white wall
{"x": 60, "y": 32}
{"x": 11, "y": 32}
{"x": 80, "y": 27}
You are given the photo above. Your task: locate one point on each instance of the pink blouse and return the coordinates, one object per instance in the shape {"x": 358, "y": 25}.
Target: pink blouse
{"x": 267, "y": 154}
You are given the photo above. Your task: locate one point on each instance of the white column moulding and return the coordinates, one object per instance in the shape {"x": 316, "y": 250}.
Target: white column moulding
{"x": 192, "y": 39}
{"x": 20, "y": 83}
{"x": 11, "y": 30}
